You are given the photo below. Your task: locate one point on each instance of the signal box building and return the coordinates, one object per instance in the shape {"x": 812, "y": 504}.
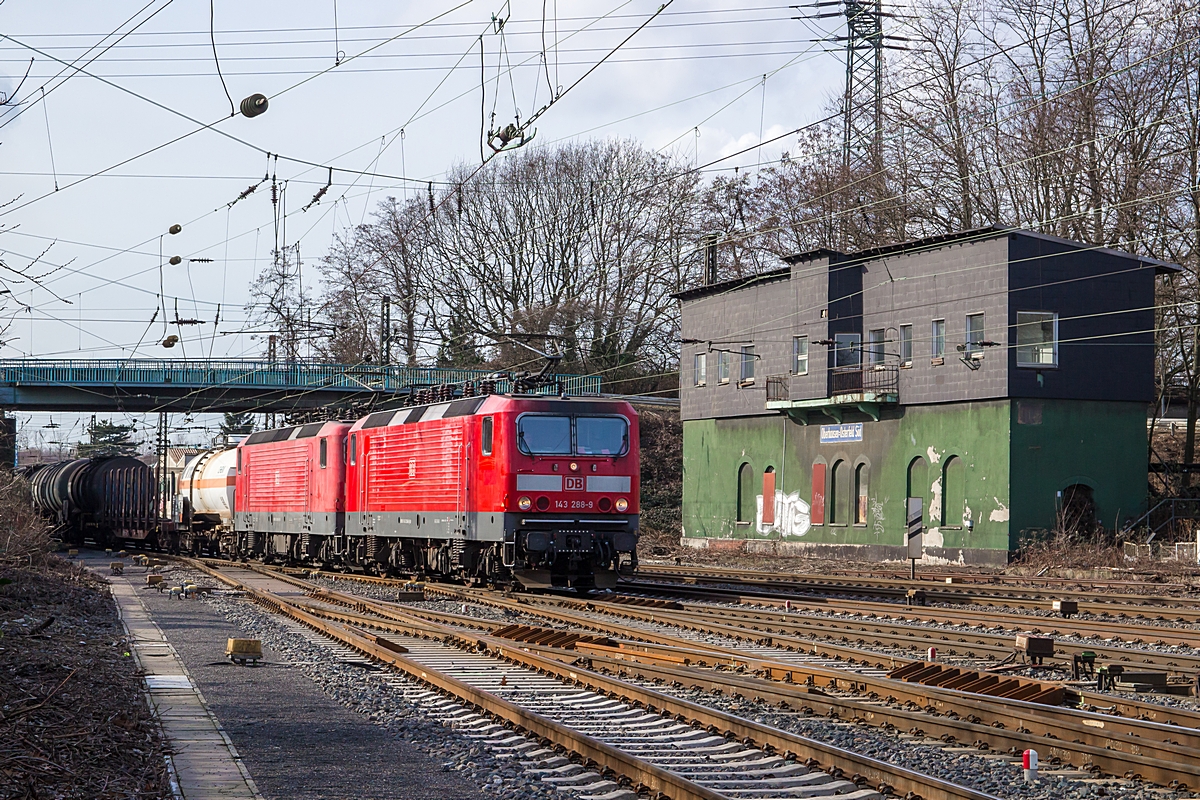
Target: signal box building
{"x": 1002, "y": 377}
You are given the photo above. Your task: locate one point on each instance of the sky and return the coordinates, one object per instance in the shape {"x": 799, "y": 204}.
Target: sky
{"x": 112, "y": 138}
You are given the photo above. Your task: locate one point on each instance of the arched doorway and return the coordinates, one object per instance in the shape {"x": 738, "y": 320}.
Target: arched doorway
{"x": 918, "y": 483}
{"x": 1077, "y": 510}
{"x": 745, "y": 493}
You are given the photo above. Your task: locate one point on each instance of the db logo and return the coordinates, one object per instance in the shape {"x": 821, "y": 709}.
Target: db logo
{"x": 573, "y": 484}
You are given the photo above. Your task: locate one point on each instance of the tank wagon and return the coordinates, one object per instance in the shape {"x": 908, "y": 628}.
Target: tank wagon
{"x": 203, "y": 508}
{"x": 110, "y": 500}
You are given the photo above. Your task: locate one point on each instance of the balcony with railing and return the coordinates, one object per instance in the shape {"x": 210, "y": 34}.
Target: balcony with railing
{"x": 864, "y": 388}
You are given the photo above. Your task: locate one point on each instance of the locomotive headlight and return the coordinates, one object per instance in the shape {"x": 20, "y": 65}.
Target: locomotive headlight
{"x": 524, "y": 503}
{"x": 574, "y": 467}
{"x": 622, "y": 504}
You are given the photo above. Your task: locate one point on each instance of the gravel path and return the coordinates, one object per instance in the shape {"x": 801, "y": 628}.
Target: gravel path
{"x": 297, "y": 741}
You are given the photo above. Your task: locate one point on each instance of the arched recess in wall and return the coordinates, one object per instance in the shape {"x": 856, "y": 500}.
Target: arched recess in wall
{"x": 1077, "y": 509}
{"x": 954, "y": 492}
{"x": 918, "y": 482}
{"x": 745, "y": 493}
{"x": 768, "y": 494}
{"x": 839, "y": 493}
{"x": 817, "y": 500}
{"x": 862, "y": 480}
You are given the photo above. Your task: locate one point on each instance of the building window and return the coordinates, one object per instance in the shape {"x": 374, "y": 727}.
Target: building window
{"x": 839, "y": 494}
{"x": 324, "y": 452}
{"x": 747, "y": 371}
{"x": 861, "y": 477}
{"x": 906, "y": 345}
{"x": 846, "y": 347}
{"x": 723, "y": 367}
{"x": 745, "y": 495}
{"x": 486, "y": 432}
{"x": 875, "y": 341}
{"x": 938, "y": 335}
{"x": 700, "y": 369}
{"x": 800, "y": 355}
{"x": 974, "y": 335}
{"x": 1037, "y": 339}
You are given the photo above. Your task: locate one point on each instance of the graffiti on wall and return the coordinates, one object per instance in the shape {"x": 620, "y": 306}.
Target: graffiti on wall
{"x": 877, "y": 516}
{"x": 792, "y": 516}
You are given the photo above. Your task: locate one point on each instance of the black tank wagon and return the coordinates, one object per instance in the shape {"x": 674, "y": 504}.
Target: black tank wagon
{"x": 110, "y": 499}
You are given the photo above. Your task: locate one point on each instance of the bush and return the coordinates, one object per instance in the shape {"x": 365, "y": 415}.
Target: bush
{"x": 25, "y": 535}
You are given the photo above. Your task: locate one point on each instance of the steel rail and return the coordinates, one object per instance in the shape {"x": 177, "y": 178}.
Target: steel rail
{"x": 937, "y": 592}
{"x": 1163, "y": 763}
{"x": 1041, "y": 720}
{"x": 1105, "y": 744}
{"x": 886, "y": 777}
{"x": 826, "y": 633}
{"x": 1132, "y": 713}
{"x": 1140, "y": 632}
{"x": 641, "y": 773}
{"x": 983, "y": 643}
{"x": 1130, "y": 718}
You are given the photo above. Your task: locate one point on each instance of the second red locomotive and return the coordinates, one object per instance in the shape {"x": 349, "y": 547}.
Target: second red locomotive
{"x": 540, "y": 490}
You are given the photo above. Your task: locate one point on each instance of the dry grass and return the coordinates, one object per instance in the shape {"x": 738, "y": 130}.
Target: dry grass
{"x": 73, "y": 723}
{"x": 25, "y": 535}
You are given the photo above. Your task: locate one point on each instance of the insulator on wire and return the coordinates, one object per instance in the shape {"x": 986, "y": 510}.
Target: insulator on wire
{"x": 174, "y": 229}
{"x": 254, "y": 105}
{"x": 175, "y": 261}
{"x": 249, "y": 191}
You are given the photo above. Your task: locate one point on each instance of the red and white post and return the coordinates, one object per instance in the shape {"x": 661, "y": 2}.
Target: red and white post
{"x": 1030, "y": 765}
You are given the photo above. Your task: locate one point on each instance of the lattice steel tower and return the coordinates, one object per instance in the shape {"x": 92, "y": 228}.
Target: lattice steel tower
{"x": 862, "y": 104}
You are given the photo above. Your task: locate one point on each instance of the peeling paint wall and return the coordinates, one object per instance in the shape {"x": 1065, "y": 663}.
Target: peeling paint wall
{"x": 1009, "y": 473}
{"x": 976, "y": 433}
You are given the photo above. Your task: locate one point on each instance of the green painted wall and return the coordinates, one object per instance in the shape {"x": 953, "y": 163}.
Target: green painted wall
{"x": 983, "y": 477}
{"x": 1100, "y": 444}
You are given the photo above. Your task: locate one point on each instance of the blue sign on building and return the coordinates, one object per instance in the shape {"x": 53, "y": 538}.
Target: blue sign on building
{"x": 845, "y": 432}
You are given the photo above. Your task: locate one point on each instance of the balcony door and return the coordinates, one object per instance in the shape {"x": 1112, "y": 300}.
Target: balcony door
{"x": 847, "y": 349}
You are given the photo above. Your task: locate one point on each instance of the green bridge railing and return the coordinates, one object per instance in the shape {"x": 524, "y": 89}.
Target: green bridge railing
{"x": 240, "y": 374}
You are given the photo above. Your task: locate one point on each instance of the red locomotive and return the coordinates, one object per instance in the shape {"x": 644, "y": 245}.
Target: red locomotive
{"x": 289, "y": 496}
{"x": 538, "y": 489}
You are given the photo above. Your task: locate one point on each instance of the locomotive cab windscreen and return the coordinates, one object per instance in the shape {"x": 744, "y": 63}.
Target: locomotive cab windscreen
{"x": 562, "y": 435}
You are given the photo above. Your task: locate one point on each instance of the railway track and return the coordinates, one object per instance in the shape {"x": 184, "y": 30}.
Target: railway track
{"x": 1093, "y": 601}
{"x": 1162, "y": 743}
{"x": 652, "y": 740}
{"x": 671, "y": 645}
